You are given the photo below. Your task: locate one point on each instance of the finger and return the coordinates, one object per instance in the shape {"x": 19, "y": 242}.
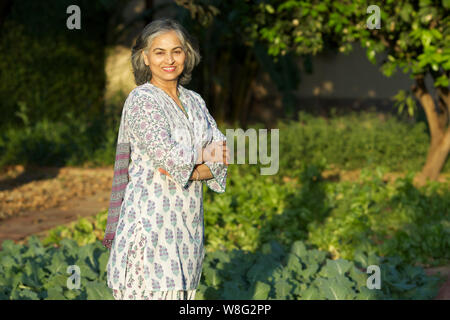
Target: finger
{"x": 225, "y": 151}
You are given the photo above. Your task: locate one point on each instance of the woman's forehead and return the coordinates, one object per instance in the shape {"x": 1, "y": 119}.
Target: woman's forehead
{"x": 166, "y": 41}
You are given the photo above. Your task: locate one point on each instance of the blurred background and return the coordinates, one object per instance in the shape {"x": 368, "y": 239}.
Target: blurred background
{"x": 360, "y": 96}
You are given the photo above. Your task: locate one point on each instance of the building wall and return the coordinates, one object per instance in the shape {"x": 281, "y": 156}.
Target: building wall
{"x": 349, "y": 76}
{"x": 350, "y": 81}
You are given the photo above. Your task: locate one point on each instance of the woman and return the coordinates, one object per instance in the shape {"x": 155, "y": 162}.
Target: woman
{"x": 157, "y": 241}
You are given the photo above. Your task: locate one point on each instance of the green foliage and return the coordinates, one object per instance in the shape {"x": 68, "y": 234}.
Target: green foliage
{"x": 235, "y": 219}
{"x": 412, "y": 36}
{"x": 341, "y": 218}
{"x": 348, "y": 142}
{"x": 415, "y": 35}
{"x": 48, "y": 67}
{"x": 84, "y": 231}
{"x": 369, "y": 214}
{"x": 357, "y": 140}
{"x": 71, "y": 141}
{"x": 33, "y": 271}
{"x": 302, "y": 273}
{"x": 395, "y": 219}
{"x": 402, "y": 99}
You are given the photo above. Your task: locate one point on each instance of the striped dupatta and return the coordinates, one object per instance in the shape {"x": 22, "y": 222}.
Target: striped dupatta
{"x": 119, "y": 184}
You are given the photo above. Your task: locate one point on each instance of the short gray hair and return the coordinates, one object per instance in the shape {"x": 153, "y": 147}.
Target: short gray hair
{"x": 142, "y": 73}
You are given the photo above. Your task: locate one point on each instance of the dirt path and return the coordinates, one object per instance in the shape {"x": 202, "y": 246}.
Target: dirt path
{"x": 38, "y": 199}
{"x": 19, "y": 227}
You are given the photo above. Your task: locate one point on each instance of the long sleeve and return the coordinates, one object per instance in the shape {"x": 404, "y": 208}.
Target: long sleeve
{"x": 148, "y": 124}
{"x": 219, "y": 170}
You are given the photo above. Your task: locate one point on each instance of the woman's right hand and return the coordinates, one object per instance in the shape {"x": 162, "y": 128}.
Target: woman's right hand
{"x": 216, "y": 152}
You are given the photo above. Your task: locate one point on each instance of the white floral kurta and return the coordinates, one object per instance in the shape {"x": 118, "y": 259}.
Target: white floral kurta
{"x": 169, "y": 209}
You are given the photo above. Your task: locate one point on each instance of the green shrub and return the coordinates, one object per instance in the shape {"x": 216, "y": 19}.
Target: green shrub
{"x": 48, "y": 67}
{"x": 353, "y": 141}
{"x": 71, "y": 141}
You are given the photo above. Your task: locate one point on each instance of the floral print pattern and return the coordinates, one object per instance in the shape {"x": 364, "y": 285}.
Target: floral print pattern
{"x": 137, "y": 271}
{"x": 158, "y": 250}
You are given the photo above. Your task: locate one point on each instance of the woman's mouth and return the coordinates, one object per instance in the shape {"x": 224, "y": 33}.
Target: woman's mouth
{"x": 169, "y": 69}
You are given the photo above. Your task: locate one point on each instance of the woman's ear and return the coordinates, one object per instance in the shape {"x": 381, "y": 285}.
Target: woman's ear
{"x": 145, "y": 58}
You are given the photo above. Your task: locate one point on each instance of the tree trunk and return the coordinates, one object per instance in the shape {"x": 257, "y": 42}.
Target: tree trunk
{"x": 243, "y": 74}
{"x": 439, "y": 130}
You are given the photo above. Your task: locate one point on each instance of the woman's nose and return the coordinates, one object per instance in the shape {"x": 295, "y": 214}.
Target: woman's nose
{"x": 169, "y": 58}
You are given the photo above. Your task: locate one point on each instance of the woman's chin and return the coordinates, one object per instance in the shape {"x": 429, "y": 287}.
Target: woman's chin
{"x": 169, "y": 77}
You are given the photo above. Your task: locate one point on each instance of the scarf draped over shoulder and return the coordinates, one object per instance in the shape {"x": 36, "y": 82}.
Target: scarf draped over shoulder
{"x": 120, "y": 181}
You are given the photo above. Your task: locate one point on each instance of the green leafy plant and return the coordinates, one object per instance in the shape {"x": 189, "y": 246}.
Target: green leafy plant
{"x": 304, "y": 273}
{"x": 54, "y": 70}
{"x": 33, "y": 271}
{"x": 84, "y": 231}
{"x": 388, "y": 220}
{"x": 393, "y": 219}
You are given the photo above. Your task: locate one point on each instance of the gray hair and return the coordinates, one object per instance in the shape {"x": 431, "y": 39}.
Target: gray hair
{"x": 142, "y": 73}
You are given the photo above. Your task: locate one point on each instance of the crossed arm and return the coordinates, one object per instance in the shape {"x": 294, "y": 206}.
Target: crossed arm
{"x": 179, "y": 160}
{"x": 200, "y": 172}
{"x": 203, "y": 171}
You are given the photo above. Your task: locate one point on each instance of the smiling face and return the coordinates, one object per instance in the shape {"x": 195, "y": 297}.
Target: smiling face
{"x": 165, "y": 57}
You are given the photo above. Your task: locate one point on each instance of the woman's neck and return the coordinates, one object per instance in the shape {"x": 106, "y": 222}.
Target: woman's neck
{"x": 171, "y": 87}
